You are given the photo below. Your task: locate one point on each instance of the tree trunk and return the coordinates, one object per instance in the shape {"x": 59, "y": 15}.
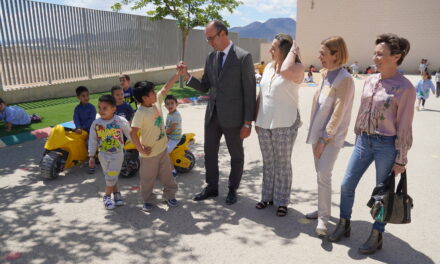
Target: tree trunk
{"x": 185, "y": 35}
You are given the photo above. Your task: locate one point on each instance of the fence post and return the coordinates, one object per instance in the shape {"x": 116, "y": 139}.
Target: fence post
{"x": 1, "y": 82}
{"x": 86, "y": 39}
{"x": 142, "y": 41}
{"x": 2, "y": 64}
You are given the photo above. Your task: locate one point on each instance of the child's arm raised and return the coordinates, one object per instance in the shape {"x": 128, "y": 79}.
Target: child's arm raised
{"x": 167, "y": 87}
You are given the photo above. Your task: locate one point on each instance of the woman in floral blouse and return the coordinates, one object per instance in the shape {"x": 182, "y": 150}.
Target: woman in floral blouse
{"x": 384, "y": 132}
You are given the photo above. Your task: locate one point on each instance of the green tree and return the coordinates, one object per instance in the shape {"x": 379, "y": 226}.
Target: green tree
{"x": 188, "y": 13}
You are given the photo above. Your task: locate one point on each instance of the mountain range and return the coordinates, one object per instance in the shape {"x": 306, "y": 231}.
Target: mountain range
{"x": 268, "y": 29}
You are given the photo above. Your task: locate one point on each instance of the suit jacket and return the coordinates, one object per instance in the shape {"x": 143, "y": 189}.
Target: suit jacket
{"x": 232, "y": 92}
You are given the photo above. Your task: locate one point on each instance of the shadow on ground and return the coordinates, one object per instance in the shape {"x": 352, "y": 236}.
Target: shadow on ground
{"x": 63, "y": 220}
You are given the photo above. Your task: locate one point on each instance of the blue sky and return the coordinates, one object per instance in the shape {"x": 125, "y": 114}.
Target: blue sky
{"x": 250, "y": 11}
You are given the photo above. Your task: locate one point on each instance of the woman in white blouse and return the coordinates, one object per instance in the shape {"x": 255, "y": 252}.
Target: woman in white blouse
{"x": 278, "y": 121}
{"x": 331, "y": 112}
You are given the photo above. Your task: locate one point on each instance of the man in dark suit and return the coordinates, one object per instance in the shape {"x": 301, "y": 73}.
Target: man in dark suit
{"x": 229, "y": 79}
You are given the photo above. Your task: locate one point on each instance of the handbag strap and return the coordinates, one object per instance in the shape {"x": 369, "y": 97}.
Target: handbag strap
{"x": 391, "y": 185}
{"x": 402, "y": 186}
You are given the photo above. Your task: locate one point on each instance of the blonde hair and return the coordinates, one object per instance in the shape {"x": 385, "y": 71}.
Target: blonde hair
{"x": 336, "y": 45}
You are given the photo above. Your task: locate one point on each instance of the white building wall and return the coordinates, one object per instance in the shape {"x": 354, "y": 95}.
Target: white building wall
{"x": 359, "y": 22}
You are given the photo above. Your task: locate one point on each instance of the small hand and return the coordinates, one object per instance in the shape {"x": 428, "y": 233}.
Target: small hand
{"x": 398, "y": 169}
{"x": 295, "y": 47}
{"x": 318, "y": 149}
{"x": 179, "y": 69}
{"x": 245, "y": 132}
{"x": 78, "y": 131}
{"x": 183, "y": 70}
{"x": 91, "y": 162}
{"x": 145, "y": 150}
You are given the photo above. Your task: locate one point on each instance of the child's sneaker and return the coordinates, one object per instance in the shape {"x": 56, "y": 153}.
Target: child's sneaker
{"x": 118, "y": 199}
{"x": 172, "y": 202}
{"x": 147, "y": 207}
{"x": 108, "y": 202}
{"x": 174, "y": 173}
{"x": 91, "y": 170}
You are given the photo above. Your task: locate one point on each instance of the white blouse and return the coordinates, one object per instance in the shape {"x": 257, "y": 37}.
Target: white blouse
{"x": 278, "y": 100}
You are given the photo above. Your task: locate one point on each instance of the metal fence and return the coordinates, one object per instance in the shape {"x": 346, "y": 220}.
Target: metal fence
{"x": 45, "y": 43}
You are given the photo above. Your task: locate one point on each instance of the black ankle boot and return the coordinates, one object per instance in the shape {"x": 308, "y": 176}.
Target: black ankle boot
{"x": 373, "y": 243}
{"x": 342, "y": 229}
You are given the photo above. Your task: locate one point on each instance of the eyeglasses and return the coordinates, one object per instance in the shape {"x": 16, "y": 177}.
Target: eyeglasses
{"x": 208, "y": 39}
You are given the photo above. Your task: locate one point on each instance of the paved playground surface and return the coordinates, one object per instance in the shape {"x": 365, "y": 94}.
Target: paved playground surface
{"x": 63, "y": 220}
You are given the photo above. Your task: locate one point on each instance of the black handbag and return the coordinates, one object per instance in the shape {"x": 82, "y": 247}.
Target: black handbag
{"x": 389, "y": 205}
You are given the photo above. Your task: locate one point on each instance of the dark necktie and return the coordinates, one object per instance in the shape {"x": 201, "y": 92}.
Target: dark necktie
{"x": 221, "y": 54}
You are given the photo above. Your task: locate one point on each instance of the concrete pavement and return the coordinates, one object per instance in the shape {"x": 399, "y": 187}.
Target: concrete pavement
{"x": 63, "y": 220}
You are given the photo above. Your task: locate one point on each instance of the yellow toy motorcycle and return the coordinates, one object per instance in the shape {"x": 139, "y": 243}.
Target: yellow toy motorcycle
{"x": 65, "y": 148}
{"x": 182, "y": 158}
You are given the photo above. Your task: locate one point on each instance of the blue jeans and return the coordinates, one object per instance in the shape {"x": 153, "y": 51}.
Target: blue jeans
{"x": 368, "y": 148}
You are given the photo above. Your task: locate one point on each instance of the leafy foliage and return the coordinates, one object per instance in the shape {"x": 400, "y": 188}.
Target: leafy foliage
{"x": 188, "y": 13}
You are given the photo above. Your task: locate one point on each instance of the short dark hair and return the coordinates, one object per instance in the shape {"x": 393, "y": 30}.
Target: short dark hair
{"x": 171, "y": 97}
{"x": 81, "y": 89}
{"x": 428, "y": 75}
{"x": 220, "y": 26}
{"x": 396, "y": 44}
{"x": 143, "y": 88}
{"x": 125, "y": 76}
{"x": 1, "y": 101}
{"x": 115, "y": 88}
{"x": 107, "y": 99}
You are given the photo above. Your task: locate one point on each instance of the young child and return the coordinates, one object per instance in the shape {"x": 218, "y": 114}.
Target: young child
{"x": 437, "y": 80}
{"x": 309, "y": 78}
{"x": 355, "y": 69}
{"x": 422, "y": 89}
{"x": 15, "y": 116}
{"x": 122, "y": 108}
{"x": 152, "y": 144}
{"x": 124, "y": 82}
{"x": 84, "y": 113}
{"x": 106, "y": 135}
{"x": 173, "y": 125}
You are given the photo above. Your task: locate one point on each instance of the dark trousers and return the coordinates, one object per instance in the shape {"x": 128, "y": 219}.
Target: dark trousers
{"x": 437, "y": 91}
{"x": 213, "y": 134}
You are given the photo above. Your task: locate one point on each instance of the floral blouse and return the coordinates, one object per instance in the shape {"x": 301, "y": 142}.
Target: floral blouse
{"x": 387, "y": 108}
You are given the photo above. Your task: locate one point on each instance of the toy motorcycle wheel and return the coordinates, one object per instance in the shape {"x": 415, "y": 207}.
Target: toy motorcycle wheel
{"x": 191, "y": 158}
{"x": 50, "y": 166}
{"x": 130, "y": 165}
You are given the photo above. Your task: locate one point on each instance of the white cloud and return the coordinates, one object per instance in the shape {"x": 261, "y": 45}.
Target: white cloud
{"x": 225, "y": 13}
{"x": 275, "y": 7}
{"x": 106, "y": 5}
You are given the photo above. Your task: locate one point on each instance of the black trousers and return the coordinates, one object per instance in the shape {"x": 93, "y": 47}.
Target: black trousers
{"x": 437, "y": 91}
{"x": 213, "y": 134}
